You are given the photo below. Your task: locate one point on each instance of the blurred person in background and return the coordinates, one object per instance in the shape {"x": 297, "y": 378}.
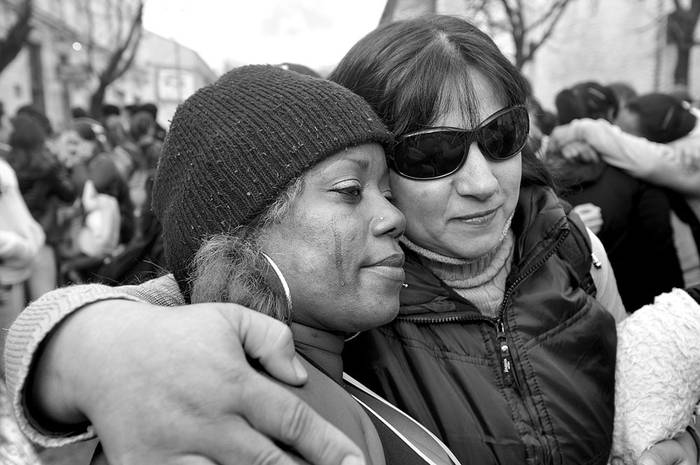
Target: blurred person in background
{"x": 102, "y": 218}
{"x": 118, "y": 143}
{"x": 21, "y": 237}
{"x": 158, "y": 130}
{"x": 143, "y": 134}
{"x": 656, "y": 138}
{"x": 631, "y": 217}
{"x": 45, "y": 186}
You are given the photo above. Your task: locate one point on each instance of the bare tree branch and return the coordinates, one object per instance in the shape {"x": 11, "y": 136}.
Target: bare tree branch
{"x": 134, "y": 34}
{"x": 695, "y": 8}
{"x": 510, "y": 15}
{"x": 535, "y": 45}
{"x": 90, "y": 46}
{"x": 129, "y": 60}
{"x": 17, "y": 35}
{"x": 559, "y": 4}
{"x": 120, "y": 60}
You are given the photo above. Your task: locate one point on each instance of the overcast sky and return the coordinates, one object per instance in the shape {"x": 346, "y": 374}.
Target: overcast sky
{"x": 316, "y": 33}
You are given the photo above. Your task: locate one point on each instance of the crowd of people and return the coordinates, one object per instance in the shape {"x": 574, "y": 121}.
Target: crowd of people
{"x": 87, "y": 187}
{"x": 430, "y": 265}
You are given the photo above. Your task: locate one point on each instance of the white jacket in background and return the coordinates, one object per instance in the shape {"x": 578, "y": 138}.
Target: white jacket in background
{"x": 20, "y": 235}
{"x": 675, "y": 165}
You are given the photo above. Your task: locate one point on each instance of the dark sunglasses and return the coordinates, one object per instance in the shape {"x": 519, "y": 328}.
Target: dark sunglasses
{"x": 439, "y": 152}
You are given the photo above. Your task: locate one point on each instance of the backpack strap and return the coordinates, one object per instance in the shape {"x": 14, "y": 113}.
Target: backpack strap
{"x": 578, "y": 252}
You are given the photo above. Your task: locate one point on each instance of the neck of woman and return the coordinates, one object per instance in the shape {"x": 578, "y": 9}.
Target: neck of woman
{"x": 480, "y": 280}
{"x": 322, "y": 348}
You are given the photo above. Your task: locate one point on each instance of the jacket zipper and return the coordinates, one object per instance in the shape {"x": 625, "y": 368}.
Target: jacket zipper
{"x": 507, "y": 368}
{"x": 505, "y": 357}
{"x": 508, "y": 371}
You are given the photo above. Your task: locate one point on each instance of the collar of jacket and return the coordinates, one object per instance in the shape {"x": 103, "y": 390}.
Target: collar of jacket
{"x": 539, "y": 221}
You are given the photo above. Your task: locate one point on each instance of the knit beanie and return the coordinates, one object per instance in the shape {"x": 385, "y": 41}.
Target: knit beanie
{"x": 235, "y": 145}
{"x": 663, "y": 118}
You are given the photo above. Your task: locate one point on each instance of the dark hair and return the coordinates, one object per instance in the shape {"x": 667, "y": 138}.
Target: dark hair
{"x": 38, "y": 115}
{"x": 662, "y": 117}
{"x": 28, "y": 152}
{"x": 141, "y": 123}
{"x": 27, "y": 133}
{"x": 132, "y": 108}
{"x": 85, "y": 130}
{"x": 110, "y": 110}
{"x": 151, "y": 109}
{"x": 586, "y": 100}
{"x": 405, "y": 70}
{"x": 79, "y": 112}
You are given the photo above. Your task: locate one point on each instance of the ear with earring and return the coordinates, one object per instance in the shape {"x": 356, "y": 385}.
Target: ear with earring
{"x": 280, "y": 276}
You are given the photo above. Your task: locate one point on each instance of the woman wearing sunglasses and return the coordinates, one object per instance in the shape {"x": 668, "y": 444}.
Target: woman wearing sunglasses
{"x": 505, "y": 341}
{"x": 503, "y": 344}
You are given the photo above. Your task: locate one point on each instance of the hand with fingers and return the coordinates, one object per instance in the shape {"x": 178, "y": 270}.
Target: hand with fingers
{"x": 681, "y": 450}
{"x": 174, "y": 386}
{"x": 580, "y": 151}
{"x": 690, "y": 157}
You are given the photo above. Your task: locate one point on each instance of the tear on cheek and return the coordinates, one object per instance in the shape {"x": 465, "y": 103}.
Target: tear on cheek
{"x": 338, "y": 254}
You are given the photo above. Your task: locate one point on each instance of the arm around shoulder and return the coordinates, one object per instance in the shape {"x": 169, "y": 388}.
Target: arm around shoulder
{"x": 35, "y": 329}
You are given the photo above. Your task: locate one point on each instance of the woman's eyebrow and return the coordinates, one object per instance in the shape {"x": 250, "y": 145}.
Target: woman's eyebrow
{"x": 361, "y": 162}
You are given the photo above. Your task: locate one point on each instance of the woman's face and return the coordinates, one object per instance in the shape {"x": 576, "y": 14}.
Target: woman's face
{"x": 338, "y": 248}
{"x": 462, "y": 215}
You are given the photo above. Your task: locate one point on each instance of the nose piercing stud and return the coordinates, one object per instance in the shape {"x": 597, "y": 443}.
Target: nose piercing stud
{"x": 404, "y": 284}
{"x": 381, "y": 218}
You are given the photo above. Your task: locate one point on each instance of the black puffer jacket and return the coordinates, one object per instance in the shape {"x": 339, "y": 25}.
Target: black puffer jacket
{"x": 534, "y": 385}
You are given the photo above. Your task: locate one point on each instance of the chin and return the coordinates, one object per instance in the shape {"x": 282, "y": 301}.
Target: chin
{"x": 378, "y": 312}
{"x": 469, "y": 248}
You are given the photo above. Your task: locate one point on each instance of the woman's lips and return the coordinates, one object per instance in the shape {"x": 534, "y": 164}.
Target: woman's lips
{"x": 392, "y": 273}
{"x": 478, "y": 218}
{"x": 390, "y": 267}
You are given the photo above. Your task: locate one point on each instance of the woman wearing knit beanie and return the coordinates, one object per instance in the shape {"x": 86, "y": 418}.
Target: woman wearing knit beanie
{"x": 273, "y": 193}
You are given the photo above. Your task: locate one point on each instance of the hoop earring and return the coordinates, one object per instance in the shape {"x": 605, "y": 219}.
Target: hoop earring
{"x": 280, "y": 276}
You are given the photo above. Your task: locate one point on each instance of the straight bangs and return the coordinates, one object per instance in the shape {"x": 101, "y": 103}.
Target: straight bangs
{"x": 438, "y": 80}
{"x": 409, "y": 71}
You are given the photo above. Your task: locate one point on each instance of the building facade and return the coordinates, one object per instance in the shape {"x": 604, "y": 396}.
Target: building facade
{"x": 602, "y": 40}
{"x": 71, "y": 41}
{"x": 610, "y": 41}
